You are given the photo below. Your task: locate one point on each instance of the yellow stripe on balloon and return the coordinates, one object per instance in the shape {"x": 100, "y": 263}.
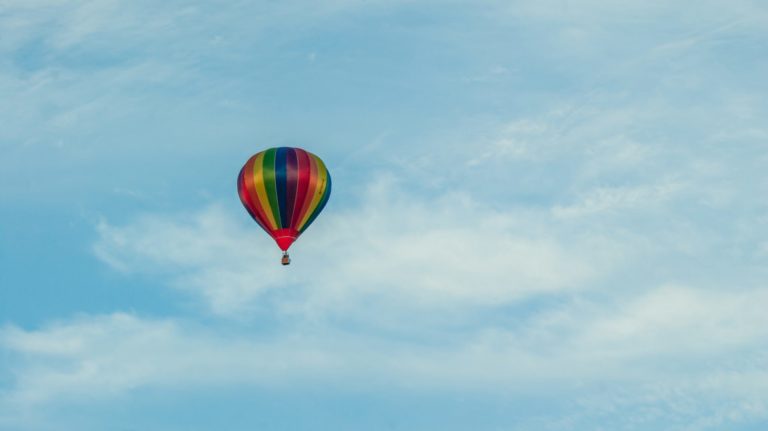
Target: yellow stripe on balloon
{"x": 261, "y": 191}
{"x": 322, "y": 179}
{"x": 312, "y": 183}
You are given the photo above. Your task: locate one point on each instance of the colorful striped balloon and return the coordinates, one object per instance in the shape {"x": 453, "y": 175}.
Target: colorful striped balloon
{"x": 284, "y": 189}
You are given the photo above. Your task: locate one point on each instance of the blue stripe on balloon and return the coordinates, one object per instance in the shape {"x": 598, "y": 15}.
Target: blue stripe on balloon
{"x": 281, "y": 180}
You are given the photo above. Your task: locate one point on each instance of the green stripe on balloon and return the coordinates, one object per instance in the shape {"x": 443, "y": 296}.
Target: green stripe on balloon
{"x": 270, "y": 183}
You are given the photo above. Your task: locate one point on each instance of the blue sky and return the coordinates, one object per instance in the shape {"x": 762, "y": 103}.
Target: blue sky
{"x": 547, "y": 215}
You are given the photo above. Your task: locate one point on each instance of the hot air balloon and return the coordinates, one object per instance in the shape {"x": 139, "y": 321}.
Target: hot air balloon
{"x": 284, "y": 189}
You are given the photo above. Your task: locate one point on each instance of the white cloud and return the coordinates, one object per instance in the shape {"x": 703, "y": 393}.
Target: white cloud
{"x": 115, "y": 353}
{"x": 608, "y": 199}
{"x": 664, "y": 347}
{"x": 675, "y": 320}
{"x": 394, "y": 249}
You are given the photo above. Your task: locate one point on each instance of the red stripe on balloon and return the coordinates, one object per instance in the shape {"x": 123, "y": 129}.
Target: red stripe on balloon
{"x": 303, "y": 172}
{"x": 311, "y": 186}
{"x": 291, "y": 181}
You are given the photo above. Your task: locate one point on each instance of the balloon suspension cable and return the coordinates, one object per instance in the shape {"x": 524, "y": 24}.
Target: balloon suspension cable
{"x": 286, "y": 260}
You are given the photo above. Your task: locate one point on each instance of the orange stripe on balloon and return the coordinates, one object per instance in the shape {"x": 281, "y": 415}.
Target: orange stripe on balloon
{"x": 247, "y": 199}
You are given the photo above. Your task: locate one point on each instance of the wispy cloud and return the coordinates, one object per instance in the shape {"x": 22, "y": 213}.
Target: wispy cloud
{"x": 610, "y": 199}
{"x": 663, "y": 347}
{"x": 395, "y": 248}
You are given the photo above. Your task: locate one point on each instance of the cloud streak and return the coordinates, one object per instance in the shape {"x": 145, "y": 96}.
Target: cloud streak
{"x": 665, "y": 346}
{"x": 392, "y": 250}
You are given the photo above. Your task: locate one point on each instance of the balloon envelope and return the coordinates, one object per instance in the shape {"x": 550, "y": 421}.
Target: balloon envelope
{"x": 284, "y": 189}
